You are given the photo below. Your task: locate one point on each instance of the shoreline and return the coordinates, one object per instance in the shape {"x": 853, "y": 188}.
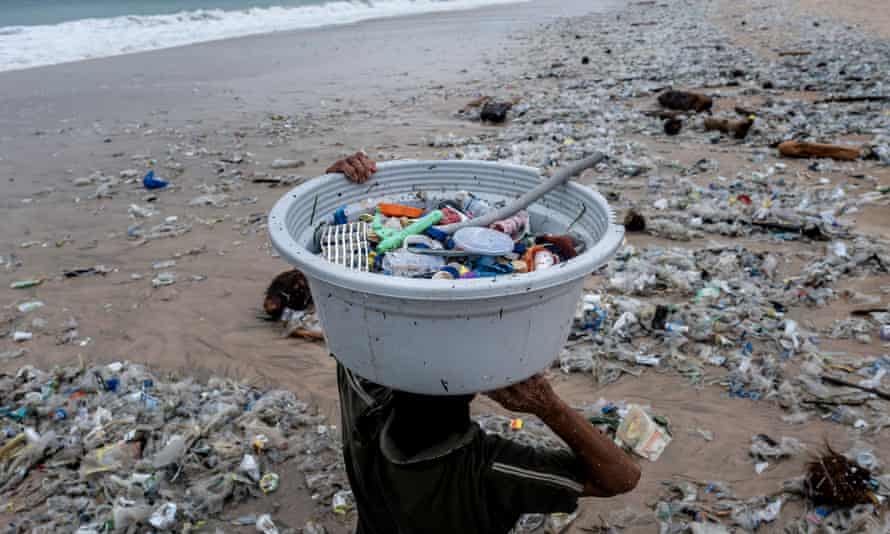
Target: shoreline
{"x": 197, "y": 80}
{"x": 146, "y": 33}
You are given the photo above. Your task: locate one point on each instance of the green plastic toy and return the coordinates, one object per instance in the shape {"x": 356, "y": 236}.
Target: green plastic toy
{"x": 392, "y": 239}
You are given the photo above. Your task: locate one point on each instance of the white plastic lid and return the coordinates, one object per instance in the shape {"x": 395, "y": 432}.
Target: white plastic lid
{"x": 484, "y": 241}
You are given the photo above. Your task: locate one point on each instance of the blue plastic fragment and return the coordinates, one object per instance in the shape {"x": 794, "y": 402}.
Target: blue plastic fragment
{"x": 488, "y": 266}
{"x": 737, "y": 390}
{"x": 340, "y": 216}
{"x": 18, "y": 414}
{"x": 150, "y": 402}
{"x": 150, "y": 182}
{"x": 112, "y": 384}
{"x": 437, "y": 234}
{"x": 450, "y": 270}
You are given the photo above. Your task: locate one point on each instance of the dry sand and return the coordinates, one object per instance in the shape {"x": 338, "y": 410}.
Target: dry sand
{"x": 872, "y": 16}
{"x": 375, "y": 86}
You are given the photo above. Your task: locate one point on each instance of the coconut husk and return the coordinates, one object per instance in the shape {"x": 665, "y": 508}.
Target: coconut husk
{"x": 288, "y": 290}
{"x": 685, "y": 101}
{"x": 737, "y": 128}
{"x": 634, "y": 222}
{"x": 834, "y": 480}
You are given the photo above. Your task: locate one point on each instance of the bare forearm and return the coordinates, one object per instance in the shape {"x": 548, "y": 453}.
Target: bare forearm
{"x": 610, "y": 470}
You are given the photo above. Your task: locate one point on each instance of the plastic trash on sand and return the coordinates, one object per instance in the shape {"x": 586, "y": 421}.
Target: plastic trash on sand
{"x": 265, "y": 524}
{"x": 642, "y": 434}
{"x": 150, "y": 182}
{"x": 164, "y": 517}
{"x": 764, "y": 447}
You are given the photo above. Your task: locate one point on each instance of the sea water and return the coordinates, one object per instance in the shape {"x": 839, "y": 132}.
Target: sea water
{"x": 47, "y": 32}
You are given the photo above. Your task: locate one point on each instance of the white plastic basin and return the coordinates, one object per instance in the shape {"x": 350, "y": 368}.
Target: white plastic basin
{"x": 444, "y": 337}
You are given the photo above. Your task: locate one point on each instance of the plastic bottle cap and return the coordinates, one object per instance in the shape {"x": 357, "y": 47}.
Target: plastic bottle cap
{"x": 485, "y": 241}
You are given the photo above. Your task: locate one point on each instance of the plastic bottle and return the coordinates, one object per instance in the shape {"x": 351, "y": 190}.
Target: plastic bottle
{"x": 514, "y": 226}
{"x": 473, "y": 206}
{"x": 676, "y": 328}
{"x": 409, "y": 264}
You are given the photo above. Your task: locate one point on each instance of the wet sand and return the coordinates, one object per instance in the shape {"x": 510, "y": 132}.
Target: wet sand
{"x": 384, "y": 86}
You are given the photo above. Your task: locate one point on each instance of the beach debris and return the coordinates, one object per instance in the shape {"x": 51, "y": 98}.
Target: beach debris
{"x": 495, "y": 112}
{"x": 269, "y": 482}
{"x": 477, "y": 103}
{"x": 164, "y": 278}
{"x": 867, "y": 387}
{"x": 764, "y": 447}
{"x": 265, "y": 524}
{"x": 24, "y": 284}
{"x": 640, "y": 432}
{"x": 342, "y": 502}
{"x": 138, "y": 212}
{"x": 218, "y": 200}
{"x": 287, "y": 164}
{"x": 19, "y": 336}
{"x": 149, "y": 181}
{"x": 738, "y": 128}
{"x": 156, "y": 469}
{"x": 672, "y": 126}
{"x": 31, "y": 305}
{"x": 303, "y": 324}
{"x": 164, "y": 517}
{"x": 634, "y": 221}
{"x": 801, "y": 149}
{"x": 836, "y": 481}
{"x": 685, "y": 101}
{"x": 163, "y": 264}
{"x": 87, "y": 271}
{"x": 288, "y": 290}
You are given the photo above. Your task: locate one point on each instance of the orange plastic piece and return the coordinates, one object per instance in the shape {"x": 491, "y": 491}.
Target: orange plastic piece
{"x": 399, "y": 210}
{"x": 516, "y": 424}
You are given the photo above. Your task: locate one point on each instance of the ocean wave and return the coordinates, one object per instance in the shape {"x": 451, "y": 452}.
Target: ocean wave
{"x": 24, "y": 47}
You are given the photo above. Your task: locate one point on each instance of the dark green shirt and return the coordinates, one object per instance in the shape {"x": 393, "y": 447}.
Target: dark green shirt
{"x": 471, "y": 483}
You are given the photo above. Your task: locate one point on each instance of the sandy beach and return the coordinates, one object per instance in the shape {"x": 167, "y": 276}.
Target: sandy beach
{"x": 212, "y": 117}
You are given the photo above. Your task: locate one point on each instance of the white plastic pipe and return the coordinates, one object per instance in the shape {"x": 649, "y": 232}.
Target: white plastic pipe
{"x": 561, "y": 177}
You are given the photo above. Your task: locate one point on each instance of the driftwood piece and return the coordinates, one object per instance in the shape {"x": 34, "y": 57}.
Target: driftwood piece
{"x": 801, "y": 149}
{"x": 837, "y": 381}
{"x": 847, "y": 99}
